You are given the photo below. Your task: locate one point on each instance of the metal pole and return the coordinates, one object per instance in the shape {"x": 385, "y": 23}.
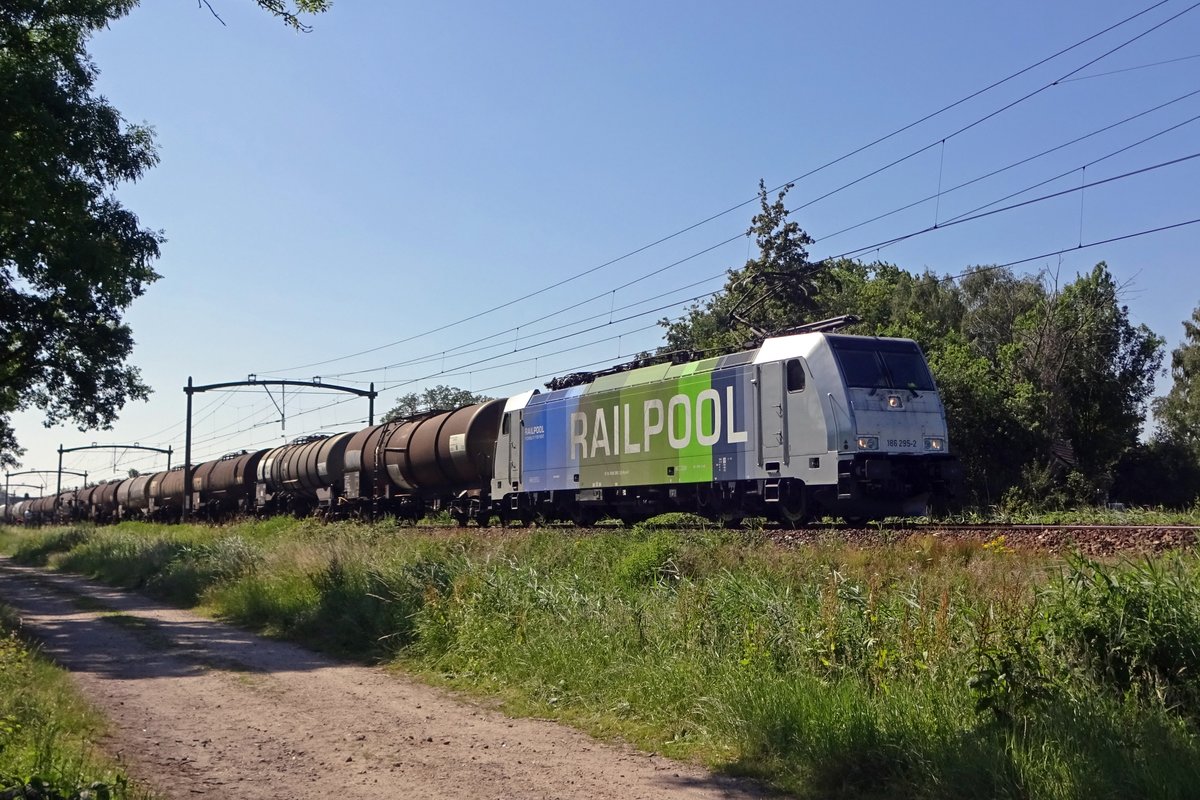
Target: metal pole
{"x": 371, "y": 400}
{"x": 58, "y": 486}
{"x": 187, "y": 455}
{"x": 168, "y": 458}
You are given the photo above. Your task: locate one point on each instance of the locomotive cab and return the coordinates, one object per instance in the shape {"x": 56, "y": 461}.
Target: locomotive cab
{"x": 855, "y": 422}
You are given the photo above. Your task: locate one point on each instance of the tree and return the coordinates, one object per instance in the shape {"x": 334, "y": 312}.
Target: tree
{"x": 771, "y": 292}
{"x": 289, "y": 12}
{"x": 1093, "y": 372}
{"x": 1160, "y": 472}
{"x": 72, "y": 257}
{"x": 1178, "y": 413}
{"x": 439, "y": 398}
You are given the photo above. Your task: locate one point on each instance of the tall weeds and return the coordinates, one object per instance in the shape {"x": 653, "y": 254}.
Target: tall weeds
{"x": 922, "y": 669}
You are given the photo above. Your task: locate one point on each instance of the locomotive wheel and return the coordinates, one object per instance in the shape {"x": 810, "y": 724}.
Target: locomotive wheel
{"x": 793, "y": 506}
{"x": 511, "y": 517}
{"x": 630, "y": 517}
{"x": 584, "y": 517}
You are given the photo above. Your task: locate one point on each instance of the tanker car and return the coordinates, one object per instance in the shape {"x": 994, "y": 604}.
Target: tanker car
{"x": 808, "y": 424}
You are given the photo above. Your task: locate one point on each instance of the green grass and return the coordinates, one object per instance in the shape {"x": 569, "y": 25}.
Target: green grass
{"x": 47, "y": 730}
{"x": 922, "y": 668}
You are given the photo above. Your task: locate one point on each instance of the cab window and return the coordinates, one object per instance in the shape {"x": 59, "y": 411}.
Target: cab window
{"x": 871, "y": 363}
{"x": 795, "y": 375}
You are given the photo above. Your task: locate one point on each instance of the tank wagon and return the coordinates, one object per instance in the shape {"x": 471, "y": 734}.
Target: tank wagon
{"x": 806, "y": 425}
{"x": 222, "y": 488}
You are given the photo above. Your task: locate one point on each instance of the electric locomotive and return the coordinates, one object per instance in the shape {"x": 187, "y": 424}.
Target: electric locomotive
{"x": 806, "y": 425}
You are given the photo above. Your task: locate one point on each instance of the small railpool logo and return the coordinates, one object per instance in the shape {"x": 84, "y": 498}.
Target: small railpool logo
{"x": 535, "y": 432}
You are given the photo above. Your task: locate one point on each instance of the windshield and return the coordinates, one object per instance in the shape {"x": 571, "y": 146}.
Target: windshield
{"x": 881, "y": 364}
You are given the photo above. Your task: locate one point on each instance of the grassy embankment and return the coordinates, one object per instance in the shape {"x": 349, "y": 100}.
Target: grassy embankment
{"x": 919, "y": 669}
{"x": 46, "y": 730}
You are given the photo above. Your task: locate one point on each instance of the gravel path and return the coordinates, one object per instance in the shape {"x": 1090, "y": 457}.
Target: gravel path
{"x": 198, "y": 708}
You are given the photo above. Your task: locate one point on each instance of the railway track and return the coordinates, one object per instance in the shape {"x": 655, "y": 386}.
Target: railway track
{"x": 1092, "y": 540}
{"x": 1087, "y": 539}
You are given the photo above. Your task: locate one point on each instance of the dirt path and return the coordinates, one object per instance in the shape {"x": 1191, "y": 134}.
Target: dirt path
{"x": 197, "y": 707}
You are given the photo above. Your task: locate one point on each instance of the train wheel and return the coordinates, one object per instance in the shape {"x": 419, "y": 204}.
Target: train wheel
{"x": 584, "y": 517}
{"x": 793, "y": 505}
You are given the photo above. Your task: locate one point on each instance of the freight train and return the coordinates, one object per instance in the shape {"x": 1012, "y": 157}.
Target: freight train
{"x": 806, "y": 425}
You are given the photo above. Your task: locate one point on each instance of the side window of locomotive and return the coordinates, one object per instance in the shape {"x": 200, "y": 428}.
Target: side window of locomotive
{"x": 795, "y": 375}
{"x": 504, "y": 424}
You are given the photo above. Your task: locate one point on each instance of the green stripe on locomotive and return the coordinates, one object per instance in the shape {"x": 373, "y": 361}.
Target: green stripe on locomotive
{"x": 660, "y": 424}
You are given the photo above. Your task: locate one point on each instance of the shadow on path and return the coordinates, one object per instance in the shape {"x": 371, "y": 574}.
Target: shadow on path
{"x": 87, "y": 627}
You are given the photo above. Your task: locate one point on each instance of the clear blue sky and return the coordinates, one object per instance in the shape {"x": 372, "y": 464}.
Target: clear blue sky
{"x": 407, "y": 165}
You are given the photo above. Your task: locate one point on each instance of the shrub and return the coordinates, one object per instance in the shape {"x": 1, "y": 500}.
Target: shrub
{"x": 37, "y": 551}
{"x": 1134, "y": 627}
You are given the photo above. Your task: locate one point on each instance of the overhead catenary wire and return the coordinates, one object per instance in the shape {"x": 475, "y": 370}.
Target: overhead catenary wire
{"x": 809, "y": 173}
{"x": 975, "y": 123}
{"x": 954, "y": 277}
{"x": 1071, "y": 249}
{"x": 459, "y": 369}
{"x": 544, "y": 342}
{"x": 468, "y": 348}
{"x": 1132, "y": 69}
{"x": 974, "y": 217}
{"x": 460, "y": 348}
{"x": 1082, "y": 167}
{"x": 1026, "y": 160}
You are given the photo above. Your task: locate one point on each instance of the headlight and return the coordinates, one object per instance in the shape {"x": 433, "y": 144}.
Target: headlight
{"x": 935, "y": 443}
{"x": 868, "y": 443}
{"x": 894, "y": 401}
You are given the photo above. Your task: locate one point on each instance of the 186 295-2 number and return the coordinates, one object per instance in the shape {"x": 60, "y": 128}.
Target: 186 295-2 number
{"x": 900, "y": 444}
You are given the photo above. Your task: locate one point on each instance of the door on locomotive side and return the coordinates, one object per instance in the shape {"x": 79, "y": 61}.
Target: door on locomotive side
{"x": 772, "y": 417}
{"x": 791, "y": 418}
{"x": 515, "y": 423}
{"x": 506, "y": 467}
{"x": 806, "y": 427}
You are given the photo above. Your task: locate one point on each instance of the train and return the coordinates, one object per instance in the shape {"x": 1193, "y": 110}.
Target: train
{"x": 805, "y": 425}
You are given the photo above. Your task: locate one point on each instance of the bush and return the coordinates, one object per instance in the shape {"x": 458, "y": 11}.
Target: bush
{"x": 37, "y": 551}
{"x": 194, "y": 568}
{"x": 1135, "y": 627}
{"x": 648, "y": 562}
